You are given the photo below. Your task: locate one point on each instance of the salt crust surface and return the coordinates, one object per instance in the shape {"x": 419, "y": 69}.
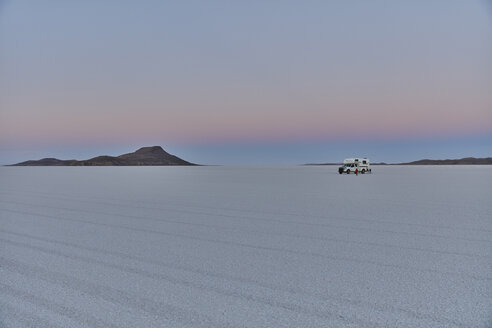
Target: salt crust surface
{"x": 406, "y": 246}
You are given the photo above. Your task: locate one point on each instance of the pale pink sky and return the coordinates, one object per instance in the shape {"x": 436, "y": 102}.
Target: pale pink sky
{"x": 196, "y": 73}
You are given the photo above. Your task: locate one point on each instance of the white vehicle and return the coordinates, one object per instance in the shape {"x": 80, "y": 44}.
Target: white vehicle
{"x": 350, "y": 165}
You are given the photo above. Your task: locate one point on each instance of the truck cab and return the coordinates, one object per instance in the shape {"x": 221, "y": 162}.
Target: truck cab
{"x": 351, "y": 164}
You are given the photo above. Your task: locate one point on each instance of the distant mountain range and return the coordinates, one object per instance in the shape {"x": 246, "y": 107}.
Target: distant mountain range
{"x": 461, "y": 161}
{"x": 155, "y": 155}
{"x": 144, "y": 156}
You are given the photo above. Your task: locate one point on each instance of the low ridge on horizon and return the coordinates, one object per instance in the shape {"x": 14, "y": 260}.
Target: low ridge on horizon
{"x": 459, "y": 161}
{"x": 145, "y": 156}
{"x": 426, "y": 161}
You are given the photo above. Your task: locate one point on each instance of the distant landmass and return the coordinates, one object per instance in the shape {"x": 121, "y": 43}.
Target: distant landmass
{"x": 144, "y": 156}
{"x": 461, "y": 161}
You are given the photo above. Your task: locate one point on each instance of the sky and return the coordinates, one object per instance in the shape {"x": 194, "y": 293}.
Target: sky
{"x": 246, "y": 82}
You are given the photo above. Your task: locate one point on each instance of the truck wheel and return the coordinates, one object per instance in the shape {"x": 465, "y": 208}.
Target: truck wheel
{"x": 363, "y": 171}
{"x": 348, "y": 171}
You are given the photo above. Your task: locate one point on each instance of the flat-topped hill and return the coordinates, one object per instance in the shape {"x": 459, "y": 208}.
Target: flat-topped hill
{"x": 144, "y": 156}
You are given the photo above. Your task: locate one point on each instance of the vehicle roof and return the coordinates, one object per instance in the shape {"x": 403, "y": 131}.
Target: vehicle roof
{"x": 355, "y": 159}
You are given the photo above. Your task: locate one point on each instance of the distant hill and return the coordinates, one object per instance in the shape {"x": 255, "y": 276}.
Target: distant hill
{"x": 144, "y": 156}
{"x": 461, "y": 161}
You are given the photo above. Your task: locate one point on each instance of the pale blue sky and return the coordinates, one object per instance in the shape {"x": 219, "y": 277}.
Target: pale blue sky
{"x": 251, "y": 82}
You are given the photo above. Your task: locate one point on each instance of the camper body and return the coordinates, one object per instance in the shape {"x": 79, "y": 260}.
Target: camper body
{"x": 352, "y": 164}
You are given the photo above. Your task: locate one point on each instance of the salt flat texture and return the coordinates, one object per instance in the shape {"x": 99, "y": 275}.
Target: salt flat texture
{"x": 407, "y": 246}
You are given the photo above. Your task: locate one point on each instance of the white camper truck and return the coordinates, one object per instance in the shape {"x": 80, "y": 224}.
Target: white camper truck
{"x": 352, "y": 164}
